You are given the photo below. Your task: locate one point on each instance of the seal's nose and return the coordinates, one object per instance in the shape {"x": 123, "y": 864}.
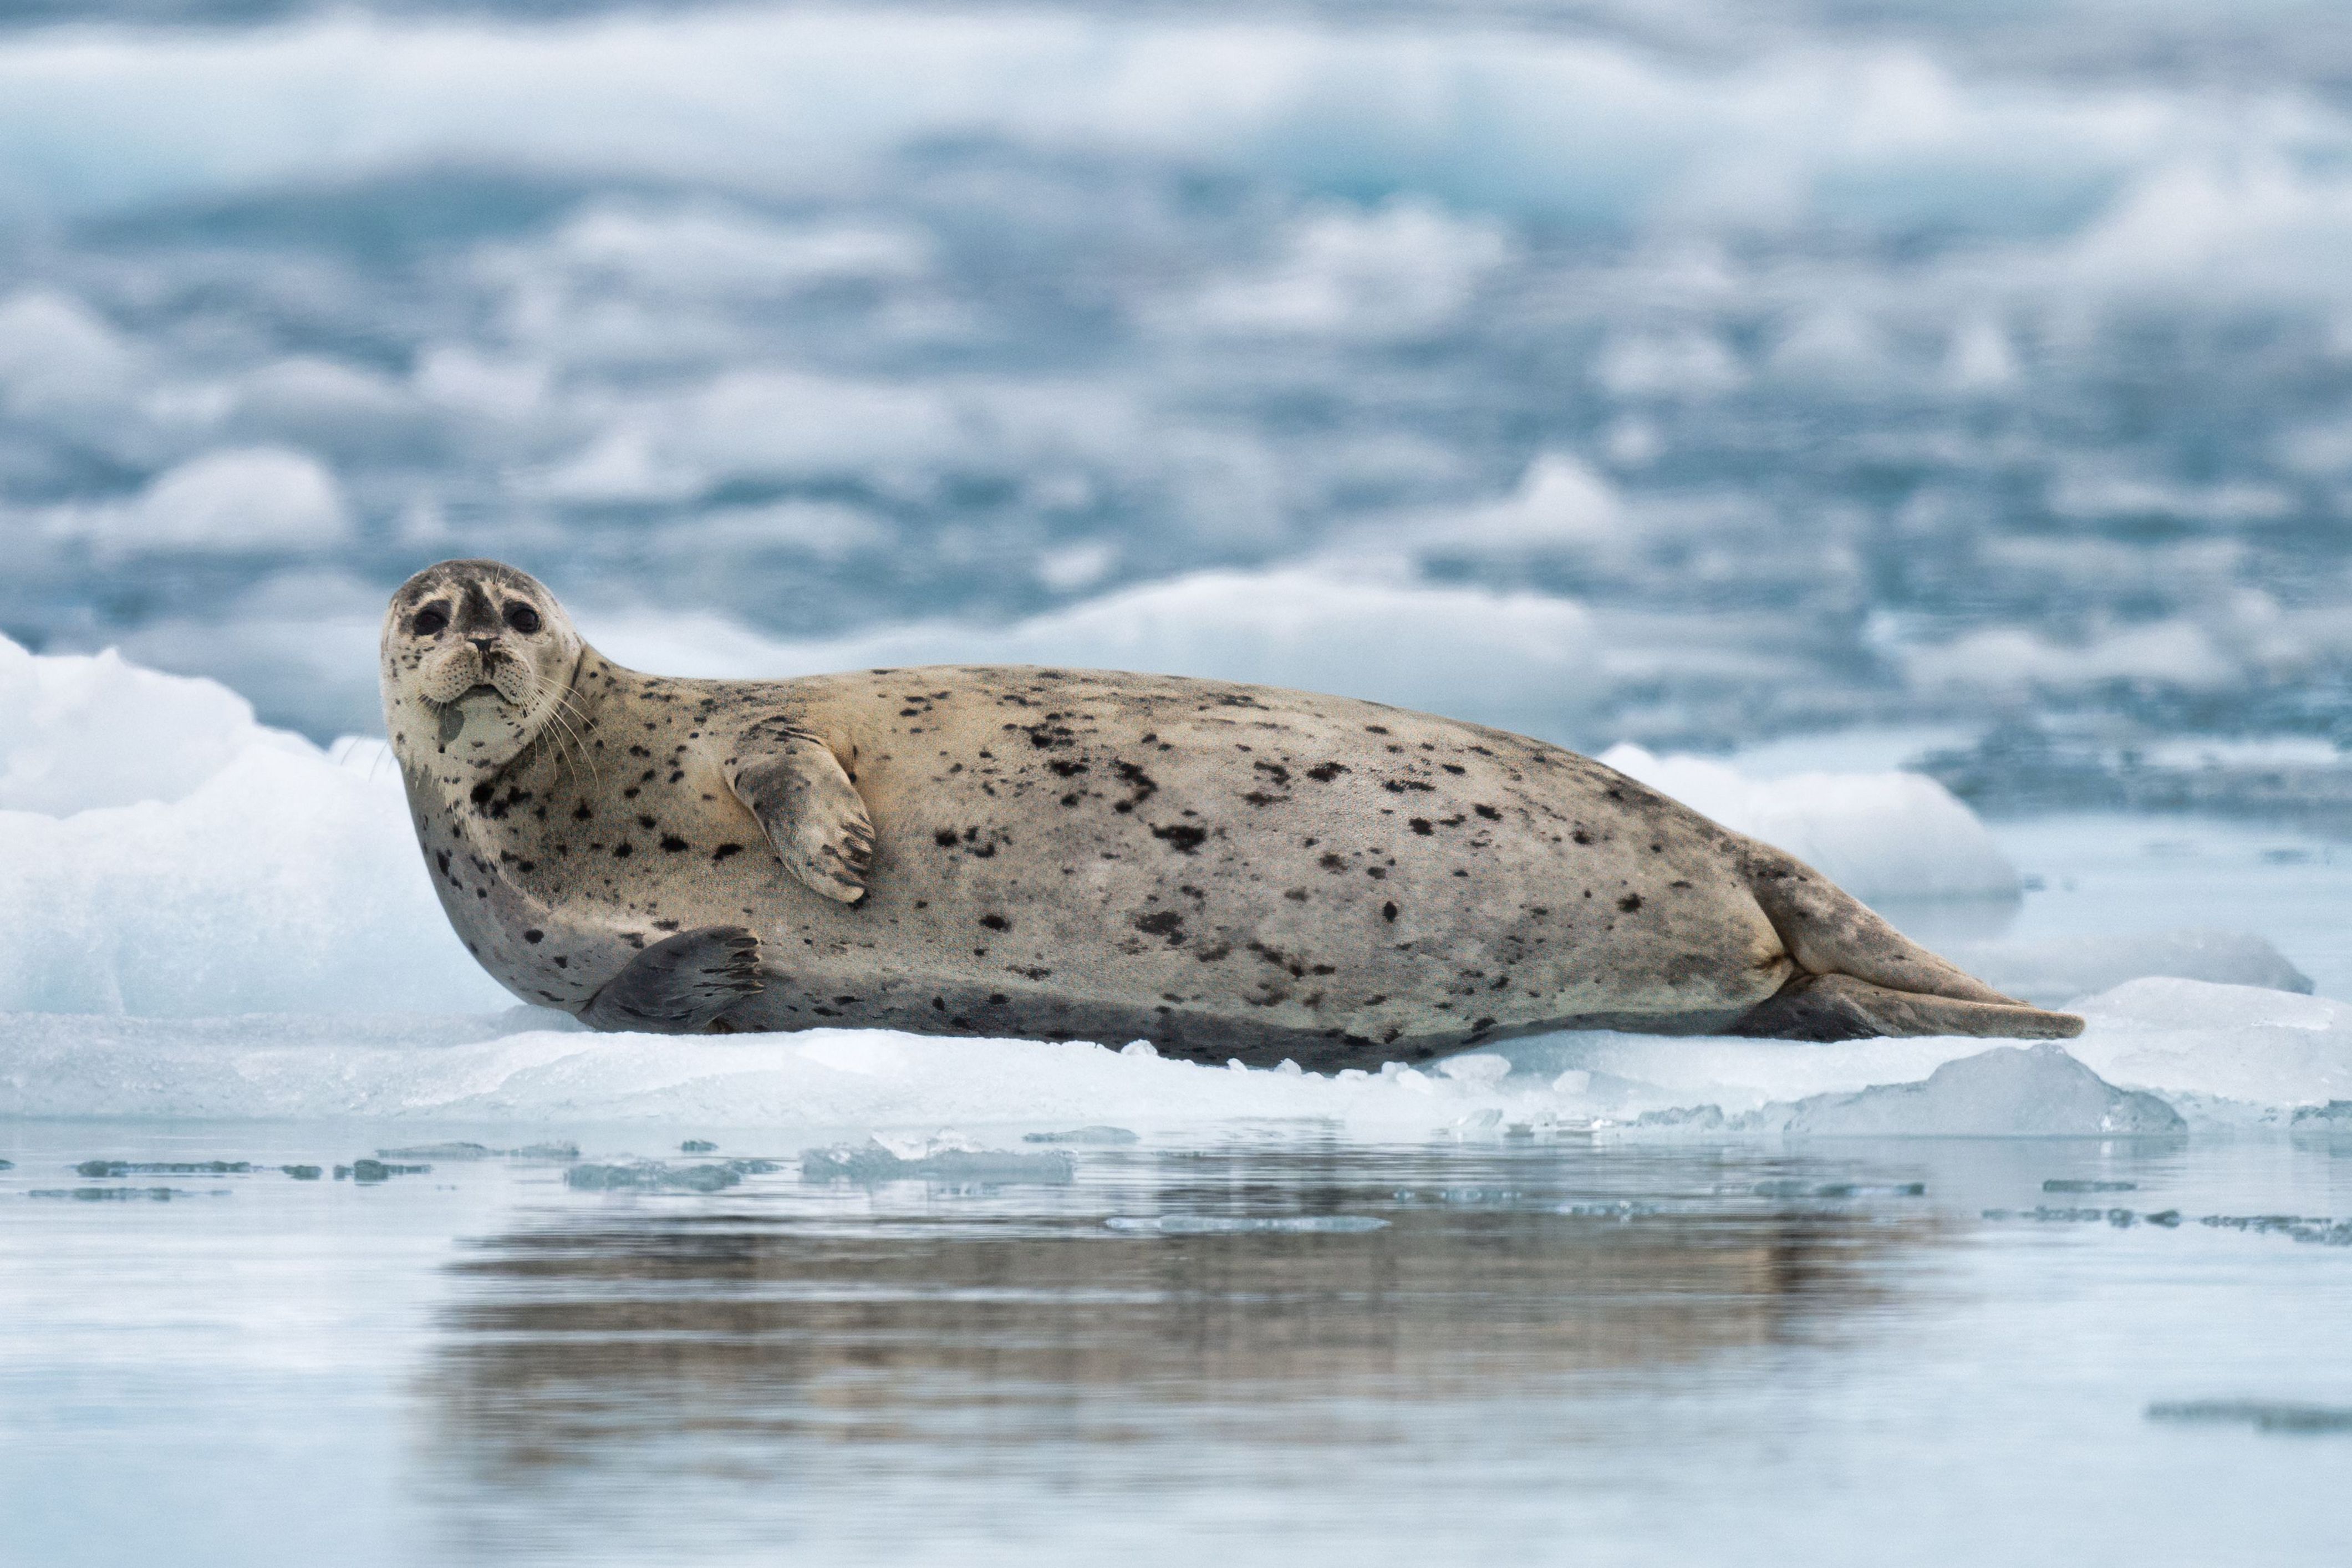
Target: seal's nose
{"x": 483, "y": 645}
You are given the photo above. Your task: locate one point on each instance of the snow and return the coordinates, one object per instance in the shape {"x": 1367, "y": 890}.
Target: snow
{"x": 164, "y": 854}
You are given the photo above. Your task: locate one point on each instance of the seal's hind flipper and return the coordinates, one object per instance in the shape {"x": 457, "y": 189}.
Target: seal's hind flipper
{"x": 1840, "y": 1007}
{"x": 1857, "y": 977}
{"x": 1828, "y": 930}
{"x": 680, "y": 986}
{"x": 807, "y": 804}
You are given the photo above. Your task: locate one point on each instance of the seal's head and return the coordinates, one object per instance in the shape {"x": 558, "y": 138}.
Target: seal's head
{"x": 478, "y": 659}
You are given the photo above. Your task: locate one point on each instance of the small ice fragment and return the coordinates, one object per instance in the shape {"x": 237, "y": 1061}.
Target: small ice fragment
{"x": 8, "y": 1165}
{"x": 162, "y": 1168}
{"x": 1478, "y": 1121}
{"x": 1623, "y": 1209}
{"x": 696, "y": 1146}
{"x": 1230, "y": 1225}
{"x": 877, "y": 1162}
{"x": 438, "y": 1152}
{"x": 1575, "y": 1080}
{"x": 1236, "y": 1064}
{"x": 1138, "y": 1049}
{"x": 2065, "y": 1184}
{"x": 2168, "y": 1218}
{"x": 656, "y": 1176}
{"x": 1082, "y": 1135}
{"x": 1479, "y": 1069}
{"x": 302, "y": 1173}
{"x": 2262, "y": 1414}
{"x": 112, "y": 1195}
{"x": 1290, "y": 1069}
{"x": 2334, "y": 1116}
{"x": 1790, "y": 1188}
{"x": 545, "y": 1151}
{"x": 378, "y": 1171}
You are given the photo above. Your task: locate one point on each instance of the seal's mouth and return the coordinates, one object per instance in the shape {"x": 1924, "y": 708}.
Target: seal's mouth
{"x": 480, "y": 689}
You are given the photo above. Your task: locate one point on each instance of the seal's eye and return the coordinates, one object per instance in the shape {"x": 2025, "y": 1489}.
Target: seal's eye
{"x": 429, "y": 621}
{"x": 523, "y": 618}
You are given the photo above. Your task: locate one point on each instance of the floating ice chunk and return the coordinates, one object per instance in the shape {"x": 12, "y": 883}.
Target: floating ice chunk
{"x": 657, "y": 1177}
{"x": 875, "y": 1161}
{"x": 1233, "y": 1225}
{"x": 367, "y": 1172}
{"x": 2262, "y": 1414}
{"x": 1882, "y": 836}
{"x": 1102, "y": 1135}
{"x": 2061, "y": 969}
{"x": 118, "y": 1195}
{"x": 2037, "y": 1091}
{"x": 97, "y": 1168}
{"x": 438, "y": 1151}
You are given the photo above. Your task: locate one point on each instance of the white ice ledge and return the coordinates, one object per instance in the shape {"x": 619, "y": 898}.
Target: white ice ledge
{"x": 2160, "y": 1054}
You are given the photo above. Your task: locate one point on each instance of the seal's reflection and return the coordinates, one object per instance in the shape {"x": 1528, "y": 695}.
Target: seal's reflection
{"x": 837, "y": 1315}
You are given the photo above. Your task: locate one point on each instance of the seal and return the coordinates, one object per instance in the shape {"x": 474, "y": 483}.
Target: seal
{"x": 1226, "y": 871}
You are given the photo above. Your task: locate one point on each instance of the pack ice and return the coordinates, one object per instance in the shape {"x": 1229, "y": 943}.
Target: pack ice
{"x": 201, "y": 917}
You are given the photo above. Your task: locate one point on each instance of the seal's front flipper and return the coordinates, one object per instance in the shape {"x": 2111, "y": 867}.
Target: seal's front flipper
{"x": 680, "y": 986}
{"x": 1840, "y": 1007}
{"x": 811, "y": 811}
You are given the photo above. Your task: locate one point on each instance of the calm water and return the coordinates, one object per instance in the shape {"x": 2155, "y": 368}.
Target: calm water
{"x": 1548, "y": 1352}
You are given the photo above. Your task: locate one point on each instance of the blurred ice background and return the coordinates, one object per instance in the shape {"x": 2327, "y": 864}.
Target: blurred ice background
{"x": 1691, "y": 374}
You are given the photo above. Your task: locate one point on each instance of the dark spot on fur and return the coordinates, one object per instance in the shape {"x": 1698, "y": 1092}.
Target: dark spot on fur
{"x": 1488, "y": 812}
{"x": 1629, "y": 902}
{"x": 534, "y": 937}
{"x": 1181, "y": 836}
{"x": 1163, "y": 923}
{"x": 1324, "y": 772}
{"x": 945, "y": 837}
{"x": 1420, "y": 824}
{"x": 724, "y": 850}
{"x": 673, "y": 843}
{"x": 1582, "y": 836}
{"x": 622, "y": 850}
{"x": 1387, "y": 912}
{"x": 997, "y": 922}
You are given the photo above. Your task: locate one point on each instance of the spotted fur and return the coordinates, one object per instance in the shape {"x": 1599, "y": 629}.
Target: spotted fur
{"x": 1223, "y": 870}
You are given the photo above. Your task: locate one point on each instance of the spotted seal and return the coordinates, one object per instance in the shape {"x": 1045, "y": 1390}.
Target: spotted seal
{"x": 1226, "y": 871}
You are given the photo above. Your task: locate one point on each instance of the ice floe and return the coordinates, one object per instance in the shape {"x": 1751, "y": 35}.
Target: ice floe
{"x": 204, "y": 918}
